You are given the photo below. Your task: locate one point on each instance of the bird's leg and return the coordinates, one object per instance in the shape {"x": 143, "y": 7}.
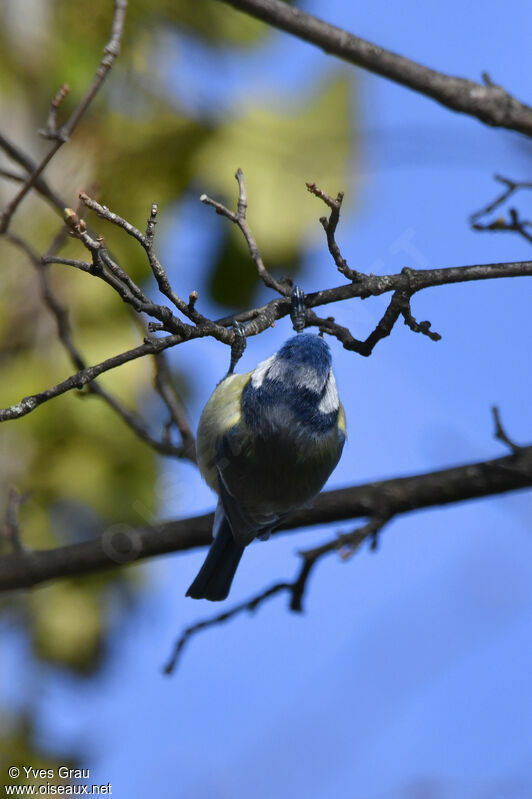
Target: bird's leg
{"x": 298, "y": 310}
{"x": 238, "y": 346}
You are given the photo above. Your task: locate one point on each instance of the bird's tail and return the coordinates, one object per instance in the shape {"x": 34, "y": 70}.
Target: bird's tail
{"x": 216, "y": 575}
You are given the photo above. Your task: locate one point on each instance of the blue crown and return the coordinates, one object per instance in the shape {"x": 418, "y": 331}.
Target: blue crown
{"x": 287, "y": 389}
{"x": 307, "y": 349}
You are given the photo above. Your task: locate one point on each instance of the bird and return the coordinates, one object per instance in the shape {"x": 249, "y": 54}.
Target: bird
{"x": 267, "y": 442}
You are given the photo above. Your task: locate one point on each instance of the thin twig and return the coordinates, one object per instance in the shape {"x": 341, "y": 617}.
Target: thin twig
{"x": 501, "y": 434}
{"x": 166, "y": 390}
{"x": 403, "y": 301}
{"x": 329, "y": 226}
{"x": 513, "y": 225}
{"x": 9, "y": 175}
{"x": 240, "y": 220}
{"x": 345, "y": 544}
{"x": 105, "y": 213}
{"x": 147, "y": 242}
{"x": 403, "y": 286}
{"x": 84, "y": 266}
{"x": 163, "y": 445}
{"x": 59, "y": 312}
{"x": 11, "y": 528}
{"x": 399, "y": 304}
{"x": 511, "y": 187}
{"x": 104, "y": 267}
{"x": 110, "y": 53}
{"x": 296, "y": 588}
{"x": 249, "y": 606}
{"x": 51, "y": 130}
{"x": 40, "y": 185}
{"x": 262, "y": 318}
{"x": 84, "y": 376}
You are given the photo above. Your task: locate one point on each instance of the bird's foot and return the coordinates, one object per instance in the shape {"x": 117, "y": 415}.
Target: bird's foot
{"x": 298, "y": 310}
{"x": 238, "y": 346}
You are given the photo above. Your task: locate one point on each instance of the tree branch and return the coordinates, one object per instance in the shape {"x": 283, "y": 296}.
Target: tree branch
{"x": 502, "y": 435}
{"x": 406, "y": 283}
{"x": 239, "y": 219}
{"x": 295, "y": 589}
{"x": 147, "y": 241}
{"x": 514, "y": 225}
{"x": 512, "y": 186}
{"x": 488, "y": 102}
{"x": 11, "y": 528}
{"x": 403, "y": 285}
{"x": 59, "y": 312}
{"x": 164, "y": 386}
{"x": 61, "y": 136}
{"x": 330, "y": 225}
{"x": 384, "y": 499}
{"x": 40, "y": 185}
{"x": 250, "y": 605}
{"x": 84, "y": 376}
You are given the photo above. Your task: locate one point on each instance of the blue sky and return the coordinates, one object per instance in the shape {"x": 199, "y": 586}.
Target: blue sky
{"x": 409, "y": 673}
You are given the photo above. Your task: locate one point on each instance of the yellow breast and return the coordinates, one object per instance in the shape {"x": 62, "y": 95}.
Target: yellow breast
{"x": 221, "y": 413}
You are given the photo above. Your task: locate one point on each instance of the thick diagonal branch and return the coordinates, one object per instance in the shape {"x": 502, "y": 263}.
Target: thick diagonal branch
{"x": 387, "y": 498}
{"x": 488, "y": 102}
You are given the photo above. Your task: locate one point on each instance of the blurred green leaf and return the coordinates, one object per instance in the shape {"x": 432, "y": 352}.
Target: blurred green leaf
{"x": 218, "y": 24}
{"x": 67, "y": 624}
{"x": 84, "y": 469}
{"x": 18, "y": 748}
{"x": 279, "y": 151}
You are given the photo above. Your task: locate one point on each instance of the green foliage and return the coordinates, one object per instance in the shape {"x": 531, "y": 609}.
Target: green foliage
{"x": 56, "y": 632}
{"x": 83, "y": 468}
{"x": 279, "y": 151}
{"x": 17, "y": 749}
{"x": 217, "y": 24}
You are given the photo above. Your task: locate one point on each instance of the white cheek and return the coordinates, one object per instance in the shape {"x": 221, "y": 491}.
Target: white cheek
{"x": 260, "y": 372}
{"x": 309, "y": 379}
{"x": 329, "y": 402}
{"x": 298, "y": 377}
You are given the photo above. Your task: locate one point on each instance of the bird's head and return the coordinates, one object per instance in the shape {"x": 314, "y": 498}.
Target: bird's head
{"x": 303, "y": 362}
{"x": 294, "y": 386}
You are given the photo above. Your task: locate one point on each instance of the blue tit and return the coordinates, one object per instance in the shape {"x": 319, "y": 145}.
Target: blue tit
{"x": 267, "y": 442}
